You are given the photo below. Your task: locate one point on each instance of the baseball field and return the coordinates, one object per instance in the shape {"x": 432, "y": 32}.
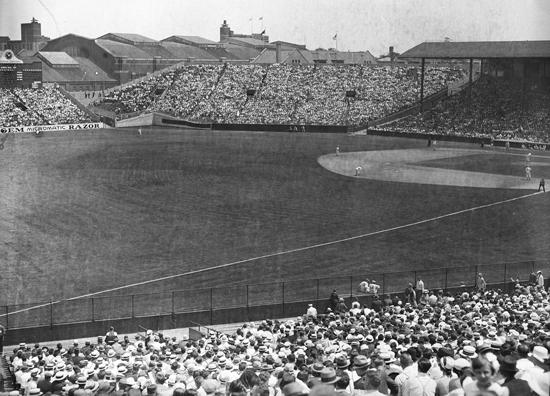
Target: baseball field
{"x": 111, "y": 212}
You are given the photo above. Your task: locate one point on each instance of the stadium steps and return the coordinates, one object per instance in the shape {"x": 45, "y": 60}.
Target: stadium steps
{"x": 105, "y": 109}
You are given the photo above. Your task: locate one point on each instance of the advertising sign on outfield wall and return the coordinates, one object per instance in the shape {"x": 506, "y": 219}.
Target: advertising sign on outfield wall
{"x": 49, "y": 128}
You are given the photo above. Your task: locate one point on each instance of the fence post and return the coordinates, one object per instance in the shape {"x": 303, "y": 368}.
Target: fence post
{"x": 350, "y": 288}
{"x": 317, "y": 292}
{"x": 283, "y": 298}
{"x": 173, "y": 307}
{"x": 133, "y": 310}
{"x": 247, "y": 303}
{"x": 51, "y": 314}
{"x": 7, "y": 318}
{"x": 211, "y": 306}
{"x": 93, "y": 309}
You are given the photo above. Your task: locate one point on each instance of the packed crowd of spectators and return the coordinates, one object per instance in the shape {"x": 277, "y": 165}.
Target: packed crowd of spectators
{"x": 498, "y": 110}
{"x": 139, "y": 96}
{"x": 283, "y": 93}
{"x": 472, "y": 342}
{"x": 45, "y": 106}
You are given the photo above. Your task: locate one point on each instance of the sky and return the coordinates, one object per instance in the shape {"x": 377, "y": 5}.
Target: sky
{"x": 358, "y": 25}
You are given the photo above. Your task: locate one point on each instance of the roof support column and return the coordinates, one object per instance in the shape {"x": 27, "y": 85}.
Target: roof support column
{"x": 522, "y": 99}
{"x": 471, "y": 80}
{"x": 422, "y": 86}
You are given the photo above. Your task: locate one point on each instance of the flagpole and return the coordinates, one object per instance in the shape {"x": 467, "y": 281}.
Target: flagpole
{"x": 252, "y": 25}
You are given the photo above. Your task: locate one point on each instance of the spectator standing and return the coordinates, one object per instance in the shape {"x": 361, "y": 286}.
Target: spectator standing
{"x": 334, "y": 299}
{"x": 540, "y": 280}
{"x": 387, "y": 301}
{"x": 508, "y": 370}
{"x": 406, "y": 363}
{"x": 311, "y": 311}
{"x": 340, "y": 307}
{"x": 481, "y": 284}
{"x": 373, "y": 382}
{"x": 377, "y": 305}
{"x": 407, "y": 292}
{"x": 421, "y": 385}
{"x": 420, "y": 286}
{"x": 425, "y": 298}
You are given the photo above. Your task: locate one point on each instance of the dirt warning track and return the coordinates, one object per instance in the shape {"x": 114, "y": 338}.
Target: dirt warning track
{"x": 404, "y": 166}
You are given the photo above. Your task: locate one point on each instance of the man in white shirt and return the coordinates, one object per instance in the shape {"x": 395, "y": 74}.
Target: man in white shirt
{"x": 406, "y": 363}
{"x": 421, "y": 385}
{"x": 311, "y": 311}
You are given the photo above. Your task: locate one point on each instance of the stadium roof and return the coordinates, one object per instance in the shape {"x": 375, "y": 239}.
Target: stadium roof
{"x": 355, "y": 58}
{"x": 121, "y": 49}
{"x": 249, "y": 42}
{"x": 480, "y": 50}
{"x": 269, "y": 55}
{"x": 185, "y": 51}
{"x": 196, "y": 40}
{"x": 129, "y": 38}
{"x": 88, "y": 71}
{"x": 57, "y": 58}
{"x": 240, "y": 52}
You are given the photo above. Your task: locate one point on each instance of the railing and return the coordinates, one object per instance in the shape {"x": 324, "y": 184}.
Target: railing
{"x": 255, "y": 295}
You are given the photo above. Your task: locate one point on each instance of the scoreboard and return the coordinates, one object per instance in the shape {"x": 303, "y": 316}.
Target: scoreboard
{"x": 16, "y": 74}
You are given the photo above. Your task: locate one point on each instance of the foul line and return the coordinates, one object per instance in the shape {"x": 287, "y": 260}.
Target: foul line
{"x": 281, "y": 253}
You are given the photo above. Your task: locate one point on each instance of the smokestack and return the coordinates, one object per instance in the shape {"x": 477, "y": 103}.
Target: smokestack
{"x": 278, "y": 53}
{"x": 392, "y": 55}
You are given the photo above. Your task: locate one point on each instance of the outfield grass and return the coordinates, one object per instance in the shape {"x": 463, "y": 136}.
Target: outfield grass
{"x": 84, "y": 212}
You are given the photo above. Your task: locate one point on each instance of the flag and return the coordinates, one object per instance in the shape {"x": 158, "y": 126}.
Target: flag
{"x": 336, "y": 35}
{"x": 261, "y": 18}
{"x": 263, "y": 32}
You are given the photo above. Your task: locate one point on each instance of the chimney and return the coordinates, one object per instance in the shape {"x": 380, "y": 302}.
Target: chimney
{"x": 278, "y": 53}
{"x": 392, "y": 55}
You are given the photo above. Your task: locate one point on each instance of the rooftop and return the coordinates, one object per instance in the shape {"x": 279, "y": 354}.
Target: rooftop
{"x": 480, "y": 50}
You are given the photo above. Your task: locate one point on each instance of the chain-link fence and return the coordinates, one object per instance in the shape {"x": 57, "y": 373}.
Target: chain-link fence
{"x": 255, "y": 295}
